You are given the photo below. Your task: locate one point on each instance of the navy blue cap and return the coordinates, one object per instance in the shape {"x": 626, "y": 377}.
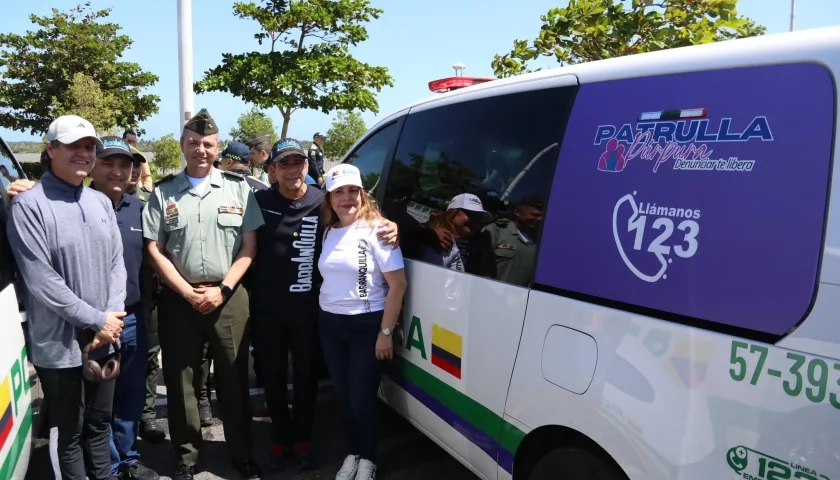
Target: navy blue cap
{"x": 283, "y": 149}
{"x": 112, "y": 145}
{"x": 238, "y": 152}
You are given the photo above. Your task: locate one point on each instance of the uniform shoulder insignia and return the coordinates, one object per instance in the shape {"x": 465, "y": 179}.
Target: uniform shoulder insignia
{"x": 502, "y": 222}
{"x": 165, "y": 179}
{"x": 234, "y": 175}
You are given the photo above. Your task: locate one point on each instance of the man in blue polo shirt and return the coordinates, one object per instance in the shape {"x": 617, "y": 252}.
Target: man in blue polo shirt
{"x": 111, "y": 175}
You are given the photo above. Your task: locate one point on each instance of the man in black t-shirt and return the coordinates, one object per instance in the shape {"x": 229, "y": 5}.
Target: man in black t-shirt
{"x": 285, "y": 293}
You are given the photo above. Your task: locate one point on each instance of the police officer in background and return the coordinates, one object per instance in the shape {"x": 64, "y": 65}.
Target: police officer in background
{"x": 315, "y": 155}
{"x": 201, "y": 225}
{"x": 235, "y": 159}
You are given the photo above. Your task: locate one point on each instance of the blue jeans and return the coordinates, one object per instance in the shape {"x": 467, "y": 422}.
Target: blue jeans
{"x": 349, "y": 343}
{"x": 130, "y": 392}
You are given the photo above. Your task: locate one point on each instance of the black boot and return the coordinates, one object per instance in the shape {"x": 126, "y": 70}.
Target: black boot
{"x": 150, "y": 432}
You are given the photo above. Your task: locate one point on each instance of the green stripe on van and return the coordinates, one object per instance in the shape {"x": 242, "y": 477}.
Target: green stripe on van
{"x": 465, "y": 407}
{"x": 21, "y": 442}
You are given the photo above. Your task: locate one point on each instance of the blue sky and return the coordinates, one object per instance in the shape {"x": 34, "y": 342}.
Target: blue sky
{"x": 417, "y": 40}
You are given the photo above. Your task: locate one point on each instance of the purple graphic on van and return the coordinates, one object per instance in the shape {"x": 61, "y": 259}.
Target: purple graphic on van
{"x": 701, "y": 194}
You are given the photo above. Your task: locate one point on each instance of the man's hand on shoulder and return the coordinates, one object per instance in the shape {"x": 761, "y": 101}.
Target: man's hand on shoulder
{"x": 18, "y": 186}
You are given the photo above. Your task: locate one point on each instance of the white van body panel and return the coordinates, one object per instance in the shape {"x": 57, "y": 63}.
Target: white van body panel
{"x": 662, "y": 400}
{"x": 15, "y": 396}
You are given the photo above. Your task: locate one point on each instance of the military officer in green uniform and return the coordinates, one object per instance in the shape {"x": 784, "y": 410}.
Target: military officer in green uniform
{"x": 507, "y": 248}
{"x": 201, "y": 226}
{"x": 259, "y": 147}
{"x": 316, "y": 158}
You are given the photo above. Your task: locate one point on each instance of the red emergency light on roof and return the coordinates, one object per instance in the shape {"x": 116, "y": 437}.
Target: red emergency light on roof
{"x": 453, "y": 83}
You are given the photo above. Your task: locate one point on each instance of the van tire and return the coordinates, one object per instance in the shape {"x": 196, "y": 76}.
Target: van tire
{"x": 573, "y": 464}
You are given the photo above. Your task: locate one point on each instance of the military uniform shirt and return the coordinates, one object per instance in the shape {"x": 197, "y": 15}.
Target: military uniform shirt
{"x": 512, "y": 256}
{"x": 202, "y": 234}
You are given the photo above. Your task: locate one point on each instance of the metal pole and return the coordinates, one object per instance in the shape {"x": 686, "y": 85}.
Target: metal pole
{"x": 792, "y": 13}
{"x": 185, "y": 65}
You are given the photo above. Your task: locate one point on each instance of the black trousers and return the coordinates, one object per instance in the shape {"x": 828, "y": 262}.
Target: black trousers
{"x": 299, "y": 335}
{"x": 81, "y": 410}
{"x": 349, "y": 343}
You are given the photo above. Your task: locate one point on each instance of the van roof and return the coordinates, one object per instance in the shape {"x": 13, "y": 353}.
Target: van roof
{"x": 781, "y": 47}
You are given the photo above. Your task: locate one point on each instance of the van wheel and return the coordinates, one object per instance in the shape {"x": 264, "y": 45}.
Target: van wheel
{"x": 573, "y": 464}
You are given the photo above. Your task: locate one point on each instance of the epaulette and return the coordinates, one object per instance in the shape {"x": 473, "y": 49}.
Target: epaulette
{"x": 232, "y": 174}
{"x": 502, "y": 222}
{"x": 165, "y": 179}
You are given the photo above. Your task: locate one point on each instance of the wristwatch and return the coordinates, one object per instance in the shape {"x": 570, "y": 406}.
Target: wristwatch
{"x": 226, "y": 291}
{"x": 387, "y": 331}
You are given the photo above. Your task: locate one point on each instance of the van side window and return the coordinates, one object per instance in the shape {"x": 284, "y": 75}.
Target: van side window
{"x": 501, "y": 149}
{"x": 9, "y": 171}
{"x": 370, "y": 157}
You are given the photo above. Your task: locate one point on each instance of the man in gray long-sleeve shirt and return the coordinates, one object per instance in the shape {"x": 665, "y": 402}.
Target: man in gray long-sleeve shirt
{"x": 67, "y": 244}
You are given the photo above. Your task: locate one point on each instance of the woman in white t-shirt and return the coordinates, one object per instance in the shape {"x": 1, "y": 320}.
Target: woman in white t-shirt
{"x": 361, "y": 297}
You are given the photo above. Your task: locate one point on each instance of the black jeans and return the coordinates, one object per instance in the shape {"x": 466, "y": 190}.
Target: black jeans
{"x": 349, "y": 343}
{"x": 282, "y": 334}
{"x": 82, "y": 412}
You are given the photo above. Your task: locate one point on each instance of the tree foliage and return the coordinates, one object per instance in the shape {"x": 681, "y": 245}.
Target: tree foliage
{"x": 308, "y": 65}
{"x": 588, "y": 30}
{"x": 252, "y": 123}
{"x": 346, "y": 130}
{"x": 37, "y": 68}
{"x": 85, "y": 99}
{"x": 167, "y": 159}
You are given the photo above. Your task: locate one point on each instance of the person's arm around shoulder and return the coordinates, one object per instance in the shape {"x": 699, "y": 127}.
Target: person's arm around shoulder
{"x": 390, "y": 263}
{"x": 252, "y": 220}
{"x": 155, "y": 235}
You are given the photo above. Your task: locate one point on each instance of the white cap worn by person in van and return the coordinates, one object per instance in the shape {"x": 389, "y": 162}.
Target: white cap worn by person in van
{"x": 466, "y": 201}
{"x": 68, "y": 129}
{"x": 341, "y": 175}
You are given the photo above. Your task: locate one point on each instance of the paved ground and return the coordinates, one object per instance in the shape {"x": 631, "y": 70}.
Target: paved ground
{"x": 405, "y": 453}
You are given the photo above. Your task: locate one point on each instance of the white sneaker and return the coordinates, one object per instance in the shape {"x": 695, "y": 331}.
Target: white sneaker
{"x": 367, "y": 470}
{"x": 348, "y": 468}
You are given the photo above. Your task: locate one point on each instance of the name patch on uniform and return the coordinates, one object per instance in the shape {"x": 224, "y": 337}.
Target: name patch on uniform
{"x": 235, "y": 210}
{"x": 506, "y": 246}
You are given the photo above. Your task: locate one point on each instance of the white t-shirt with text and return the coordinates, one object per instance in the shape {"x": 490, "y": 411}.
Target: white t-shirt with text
{"x": 352, "y": 264}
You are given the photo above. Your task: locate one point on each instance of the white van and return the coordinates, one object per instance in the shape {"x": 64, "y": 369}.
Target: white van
{"x": 15, "y": 396}
{"x": 657, "y": 296}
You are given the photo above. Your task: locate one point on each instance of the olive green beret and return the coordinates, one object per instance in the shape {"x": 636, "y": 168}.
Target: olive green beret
{"x": 263, "y": 137}
{"x": 202, "y": 123}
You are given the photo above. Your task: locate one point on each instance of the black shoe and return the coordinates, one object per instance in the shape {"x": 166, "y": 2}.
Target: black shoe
{"x": 138, "y": 471}
{"x": 184, "y": 472}
{"x": 205, "y": 414}
{"x": 150, "y": 432}
{"x": 248, "y": 469}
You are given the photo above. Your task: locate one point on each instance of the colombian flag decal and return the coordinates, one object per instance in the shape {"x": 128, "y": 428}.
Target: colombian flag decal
{"x": 7, "y": 421}
{"x": 446, "y": 350}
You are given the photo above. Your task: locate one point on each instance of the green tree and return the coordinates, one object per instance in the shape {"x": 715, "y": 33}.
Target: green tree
{"x": 589, "y": 30}
{"x": 39, "y": 67}
{"x": 251, "y": 124}
{"x": 346, "y": 129}
{"x": 308, "y": 65}
{"x": 85, "y": 99}
{"x": 167, "y": 152}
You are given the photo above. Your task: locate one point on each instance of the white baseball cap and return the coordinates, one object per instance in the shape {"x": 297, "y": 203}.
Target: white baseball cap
{"x": 72, "y": 128}
{"x": 466, "y": 201}
{"x": 341, "y": 175}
